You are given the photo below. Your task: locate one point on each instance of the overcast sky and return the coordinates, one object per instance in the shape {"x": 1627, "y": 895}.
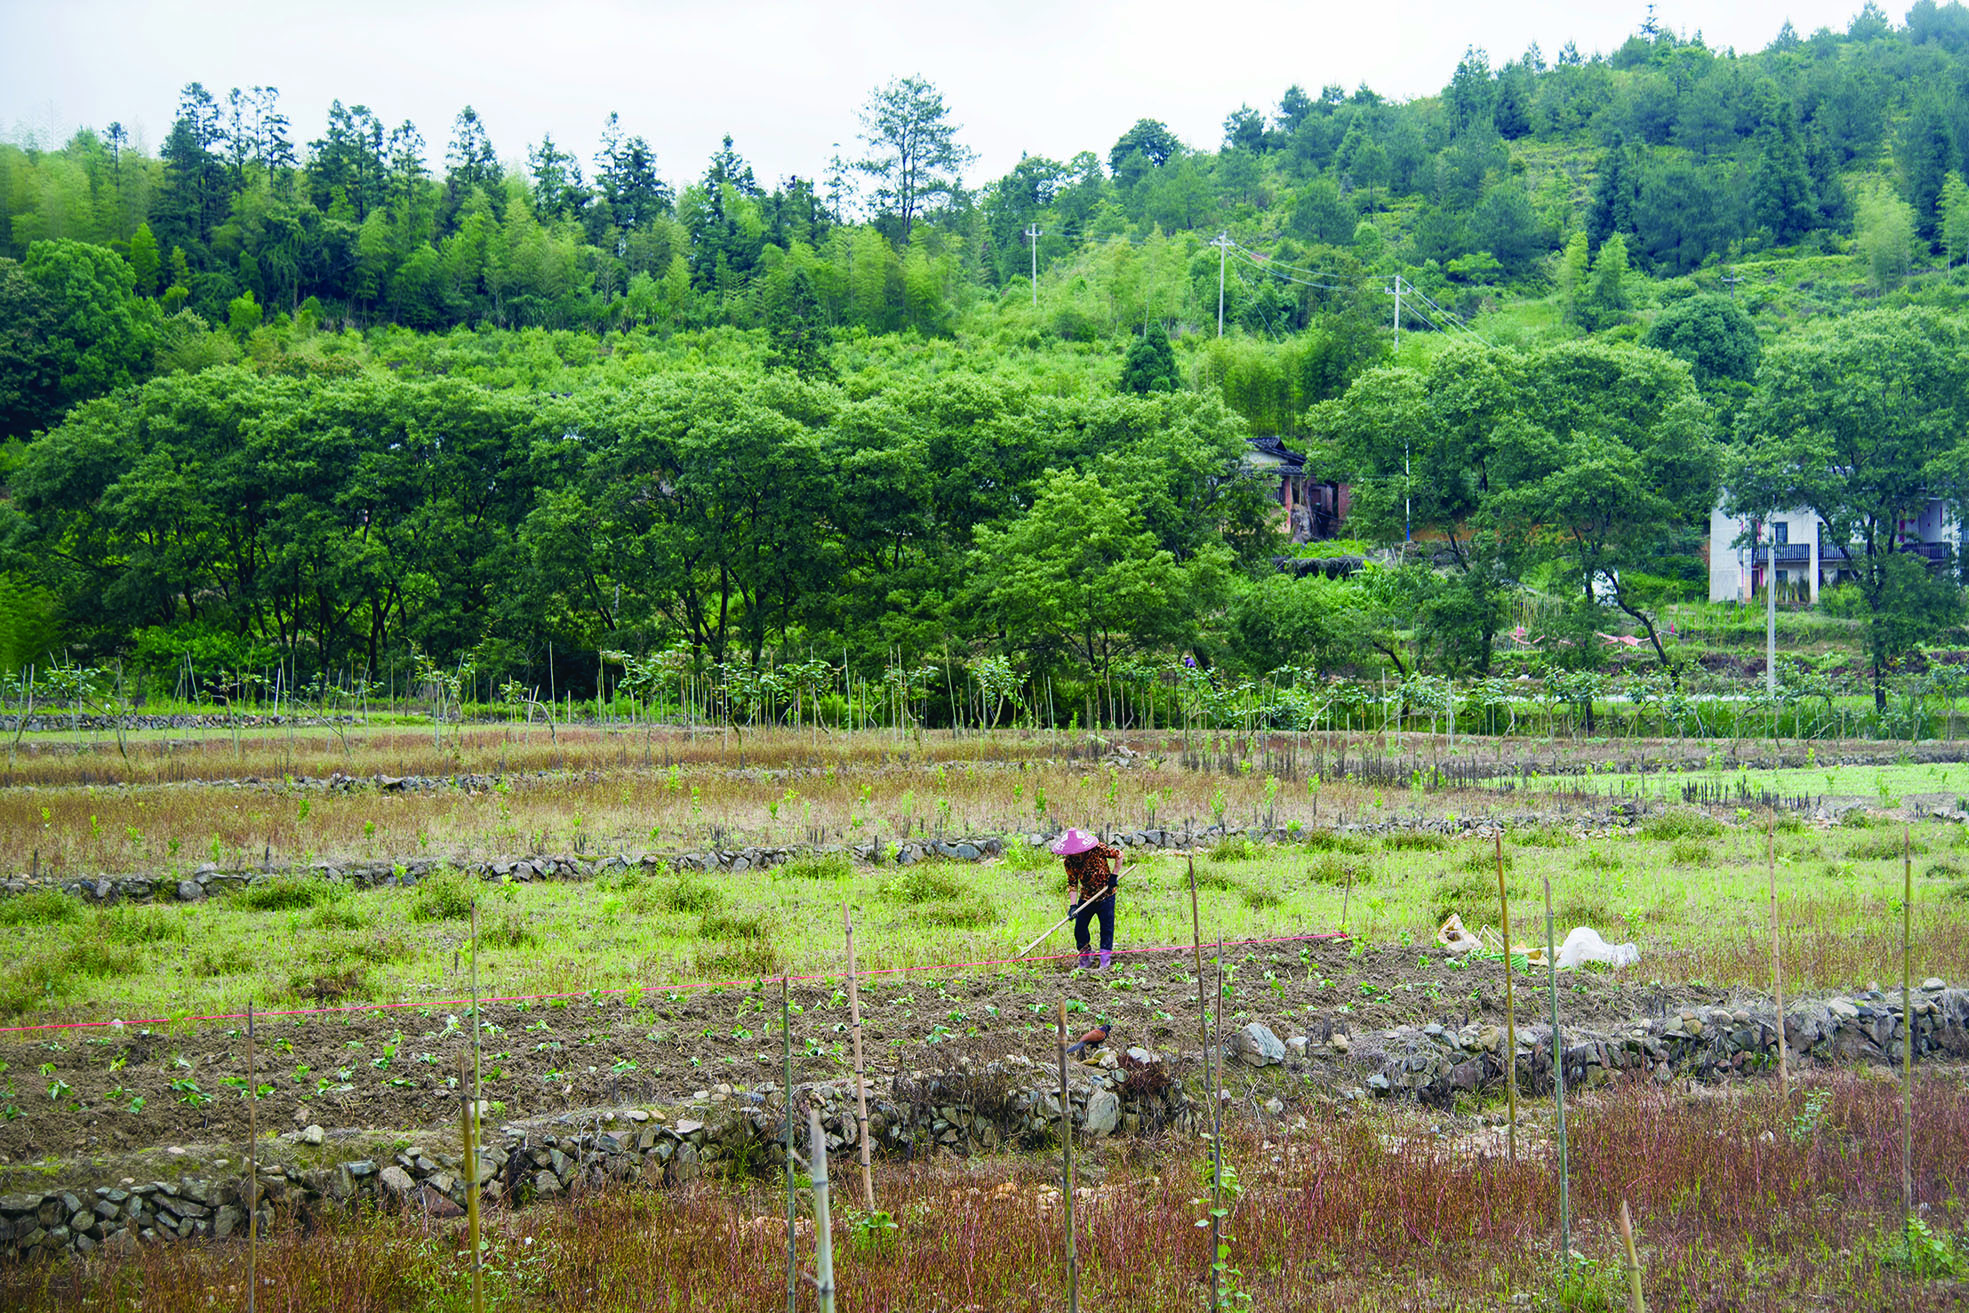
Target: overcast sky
{"x": 786, "y": 79}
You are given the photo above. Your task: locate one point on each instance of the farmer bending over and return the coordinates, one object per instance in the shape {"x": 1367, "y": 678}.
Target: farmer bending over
{"x": 1092, "y": 871}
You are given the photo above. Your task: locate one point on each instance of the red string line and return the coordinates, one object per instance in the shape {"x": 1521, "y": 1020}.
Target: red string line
{"x": 659, "y": 989}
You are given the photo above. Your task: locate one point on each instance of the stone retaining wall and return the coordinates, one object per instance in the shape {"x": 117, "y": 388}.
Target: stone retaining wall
{"x": 209, "y": 879}
{"x": 1008, "y": 1104}
{"x": 1001, "y": 1105}
{"x": 1435, "y": 1063}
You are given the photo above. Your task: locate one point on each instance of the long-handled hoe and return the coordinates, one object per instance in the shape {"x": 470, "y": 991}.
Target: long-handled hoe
{"x": 1071, "y": 915}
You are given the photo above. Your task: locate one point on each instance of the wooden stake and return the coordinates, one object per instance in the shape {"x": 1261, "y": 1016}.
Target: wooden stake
{"x": 786, "y": 1051}
{"x": 1510, "y": 1009}
{"x": 1635, "y": 1304}
{"x": 1907, "y": 1019}
{"x": 823, "y": 1225}
{"x": 1196, "y": 948}
{"x": 1559, "y": 1085}
{"x": 1777, "y": 965}
{"x": 861, "y": 1080}
{"x": 252, "y": 1173}
{"x": 1066, "y": 1159}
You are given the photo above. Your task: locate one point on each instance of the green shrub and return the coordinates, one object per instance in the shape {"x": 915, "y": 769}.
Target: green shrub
{"x": 1415, "y": 843}
{"x": 816, "y": 866}
{"x": 1483, "y": 861}
{"x": 1689, "y": 852}
{"x": 1681, "y": 824}
{"x": 1330, "y": 841}
{"x": 444, "y": 897}
{"x": 925, "y": 883}
{"x": 1857, "y": 819}
{"x": 42, "y": 907}
{"x": 287, "y": 893}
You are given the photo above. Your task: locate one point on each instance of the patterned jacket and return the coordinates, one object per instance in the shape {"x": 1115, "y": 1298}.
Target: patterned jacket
{"x": 1089, "y": 873}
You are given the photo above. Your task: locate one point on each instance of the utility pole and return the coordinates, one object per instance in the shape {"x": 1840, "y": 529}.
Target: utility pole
{"x": 1223, "y": 245}
{"x": 1033, "y": 231}
{"x": 1730, "y": 280}
{"x": 1771, "y": 618}
{"x": 1396, "y": 292}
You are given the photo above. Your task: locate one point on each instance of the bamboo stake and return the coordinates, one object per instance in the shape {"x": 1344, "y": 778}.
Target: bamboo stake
{"x": 1635, "y": 1304}
{"x": 786, "y": 1051}
{"x": 1510, "y": 1009}
{"x": 1907, "y": 1019}
{"x": 252, "y": 1173}
{"x": 1196, "y": 949}
{"x": 861, "y": 1080}
{"x": 1066, "y": 1158}
{"x": 1777, "y": 965}
{"x": 823, "y": 1225}
{"x": 466, "y": 1115}
{"x": 1213, "y": 1061}
{"x": 1559, "y": 1085}
{"x": 472, "y": 1132}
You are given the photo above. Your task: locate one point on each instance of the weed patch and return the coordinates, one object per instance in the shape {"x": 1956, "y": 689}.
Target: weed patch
{"x": 1234, "y": 848}
{"x": 42, "y": 907}
{"x": 136, "y": 924}
{"x": 1671, "y": 825}
{"x": 446, "y": 897}
{"x": 1689, "y": 852}
{"x": 958, "y": 913}
{"x": 924, "y": 884}
{"x": 510, "y": 930}
{"x": 1415, "y": 843}
{"x": 816, "y": 866}
{"x": 287, "y": 893}
{"x": 1471, "y": 895}
{"x": 1329, "y": 841}
{"x": 1484, "y": 861}
{"x": 1882, "y": 848}
{"x": 1333, "y": 869}
{"x": 1021, "y": 856}
{"x": 1546, "y": 836}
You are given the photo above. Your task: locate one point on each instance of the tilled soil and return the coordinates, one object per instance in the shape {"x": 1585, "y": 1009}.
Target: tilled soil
{"x": 395, "y": 1069}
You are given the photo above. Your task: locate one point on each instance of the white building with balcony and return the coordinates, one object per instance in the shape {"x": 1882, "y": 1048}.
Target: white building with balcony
{"x": 1741, "y": 547}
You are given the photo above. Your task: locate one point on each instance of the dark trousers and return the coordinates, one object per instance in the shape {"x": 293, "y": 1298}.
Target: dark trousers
{"x": 1082, "y": 924}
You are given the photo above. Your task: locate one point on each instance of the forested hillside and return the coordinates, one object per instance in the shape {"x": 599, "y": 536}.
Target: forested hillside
{"x": 330, "y": 395}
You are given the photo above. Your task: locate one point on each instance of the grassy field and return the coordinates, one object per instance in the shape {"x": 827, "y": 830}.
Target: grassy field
{"x": 1690, "y": 889}
{"x": 1741, "y": 1201}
